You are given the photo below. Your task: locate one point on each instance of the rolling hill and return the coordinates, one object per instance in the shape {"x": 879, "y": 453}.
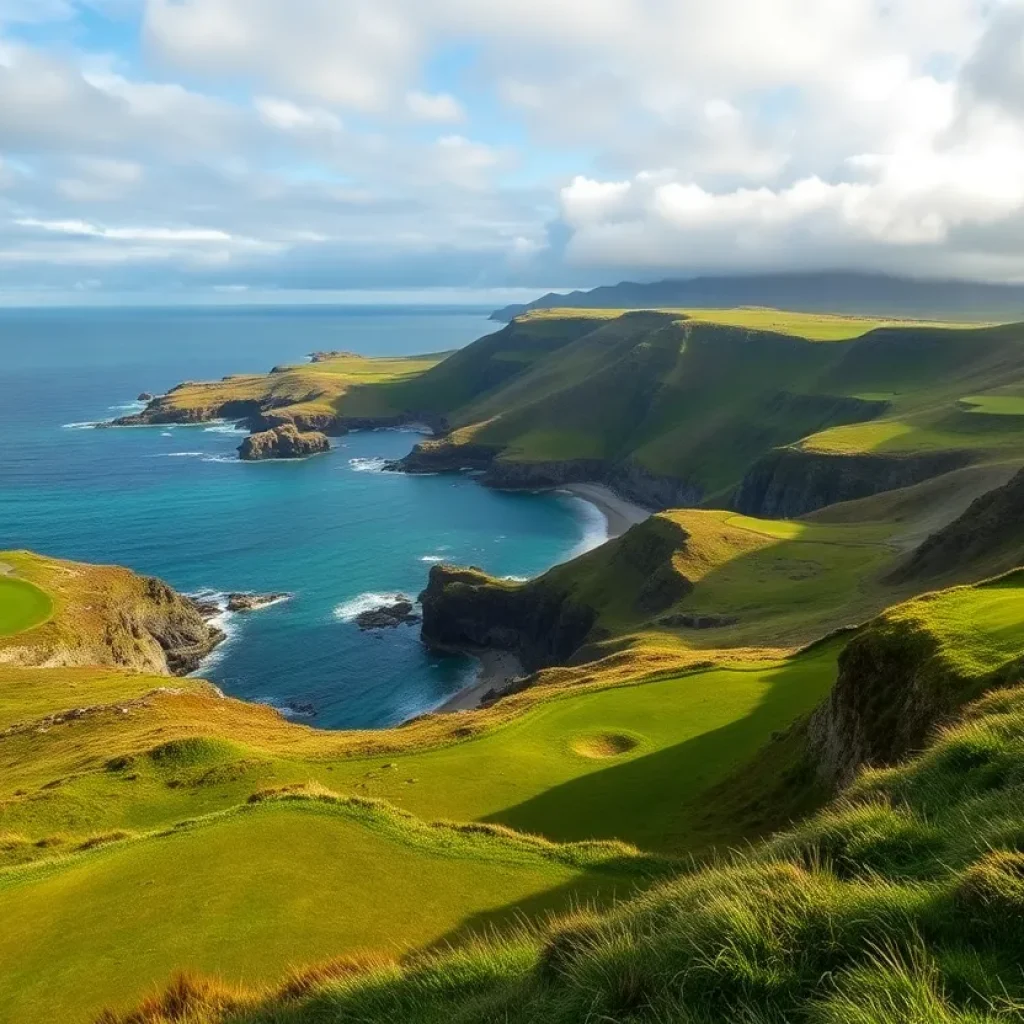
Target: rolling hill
{"x": 717, "y": 678}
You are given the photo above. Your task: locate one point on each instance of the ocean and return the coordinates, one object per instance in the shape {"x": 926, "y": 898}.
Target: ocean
{"x": 335, "y": 532}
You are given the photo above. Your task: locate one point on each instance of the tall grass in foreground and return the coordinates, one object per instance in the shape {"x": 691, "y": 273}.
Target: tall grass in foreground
{"x": 904, "y": 902}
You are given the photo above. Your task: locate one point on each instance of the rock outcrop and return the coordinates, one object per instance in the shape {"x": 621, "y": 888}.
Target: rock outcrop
{"x": 283, "y": 442}
{"x": 791, "y": 482}
{"x": 401, "y": 613}
{"x": 464, "y": 609}
{"x": 253, "y": 602}
{"x": 144, "y": 396}
{"x": 179, "y": 628}
{"x": 106, "y": 615}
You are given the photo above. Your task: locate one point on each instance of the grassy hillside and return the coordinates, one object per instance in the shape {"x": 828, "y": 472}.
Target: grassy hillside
{"x": 703, "y": 681}
{"x": 249, "y": 893}
{"x": 345, "y": 385}
{"x": 680, "y": 407}
{"x": 900, "y": 902}
{"x": 70, "y": 613}
{"x": 674, "y": 407}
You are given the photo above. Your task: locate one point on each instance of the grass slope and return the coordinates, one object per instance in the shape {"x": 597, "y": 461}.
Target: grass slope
{"x": 248, "y": 894}
{"x": 693, "y": 396}
{"x": 700, "y": 396}
{"x": 901, "y": 902}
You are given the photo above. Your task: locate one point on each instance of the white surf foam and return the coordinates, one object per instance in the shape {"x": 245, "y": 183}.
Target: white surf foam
{"x": 81, "y": 426}
{"x": 347, "y": 611}
{"x": 224, "y": 620}
{"x": 226, "y": 428}
{"x": 431, "y": 559}
{"x": 593, "y": 521}
{"x": 374, "y": 465}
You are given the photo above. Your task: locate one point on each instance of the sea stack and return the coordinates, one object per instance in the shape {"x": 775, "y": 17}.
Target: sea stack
{"x": 283, "y": 442}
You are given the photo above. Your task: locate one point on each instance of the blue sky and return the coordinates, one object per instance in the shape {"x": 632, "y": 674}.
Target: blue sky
{"x": 297, "y": 150}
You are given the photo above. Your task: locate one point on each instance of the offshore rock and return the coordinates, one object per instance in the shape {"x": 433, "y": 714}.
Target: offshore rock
{"x": 283, "y": 442}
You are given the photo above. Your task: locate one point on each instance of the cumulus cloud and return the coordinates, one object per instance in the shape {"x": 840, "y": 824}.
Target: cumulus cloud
{"x": 325, "y": 143}
{"x": 440, "y": 106}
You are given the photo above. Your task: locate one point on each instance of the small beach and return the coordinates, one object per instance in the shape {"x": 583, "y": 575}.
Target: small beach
{"x": 496, "y": 669}
{"x": 619, "y": 513}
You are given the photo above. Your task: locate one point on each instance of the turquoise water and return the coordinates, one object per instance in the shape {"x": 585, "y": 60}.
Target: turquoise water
{"x": 174, "y": 502}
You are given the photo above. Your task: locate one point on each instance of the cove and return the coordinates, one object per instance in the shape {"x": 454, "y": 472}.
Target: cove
{"x": 334, "y": 530}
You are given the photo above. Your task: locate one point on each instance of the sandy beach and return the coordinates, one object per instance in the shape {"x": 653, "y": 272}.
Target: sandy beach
{"x": 499, "y": 668}
{"x": 496, "y": 669}
{"x": 619, "y": 513}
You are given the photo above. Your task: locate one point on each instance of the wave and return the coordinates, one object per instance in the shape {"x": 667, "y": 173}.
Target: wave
{"x": 431, "y": 559}
{"x": 224, "y": 620}
{"x": 233, "y": 459}
{"x": 347, "y": 611}
{"x": 374, "y": 465}
{"x": 177, "y": 455}
{"x": 90, "y": 425}
{"x": 593, "y": 521}
{"x": 226, "y": 428}
{"x": 135, "y": 406}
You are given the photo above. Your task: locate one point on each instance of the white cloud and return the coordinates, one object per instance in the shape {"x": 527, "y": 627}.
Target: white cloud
{"x": 352, "y": 53}
{"x": 651, "y": 136}
{"x": 289, "y": 116}
{"x": 434, "y": 106}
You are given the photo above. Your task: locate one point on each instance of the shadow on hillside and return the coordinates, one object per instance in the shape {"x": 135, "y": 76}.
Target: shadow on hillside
{"x": 657, "y": 801}
{"x": 592, "y": 889}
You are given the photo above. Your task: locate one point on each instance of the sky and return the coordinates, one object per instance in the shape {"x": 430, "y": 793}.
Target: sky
{"x": 489, "y": 150}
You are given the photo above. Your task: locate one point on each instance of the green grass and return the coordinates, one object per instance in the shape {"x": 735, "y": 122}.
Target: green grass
{"x": 248, "y": 895}
{"x": 995, "y": 405}
{"x": 690, "y": 730}
{"x": 903, "y": 902}
{"x": 22, "y": 606}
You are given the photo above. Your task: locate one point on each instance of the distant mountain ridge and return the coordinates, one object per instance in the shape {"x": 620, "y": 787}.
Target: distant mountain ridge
{"x": 822, "y": 292}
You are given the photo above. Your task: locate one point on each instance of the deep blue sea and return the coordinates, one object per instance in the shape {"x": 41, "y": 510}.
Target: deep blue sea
{"x": 175, "y": 502}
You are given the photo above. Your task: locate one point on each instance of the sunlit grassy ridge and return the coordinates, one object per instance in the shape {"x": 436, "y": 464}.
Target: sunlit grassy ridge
{"x": 700, "y": 396}
{"x": 696, "y": 396}
{"x": 902, "y": 902}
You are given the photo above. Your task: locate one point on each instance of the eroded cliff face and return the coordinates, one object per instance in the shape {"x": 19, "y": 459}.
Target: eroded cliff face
{"x": 164, "y": 410}
{"x": 105, "y": 615}
{"x": 629, "y": 479}
{"x": 896, "y": 685}
{"x": 553, "y": 619}
{"x": 791, "y": 482}
{"x": 465, "y": 609}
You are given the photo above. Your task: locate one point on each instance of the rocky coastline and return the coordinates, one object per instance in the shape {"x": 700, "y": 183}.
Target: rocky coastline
{"x": 283, "y": 442}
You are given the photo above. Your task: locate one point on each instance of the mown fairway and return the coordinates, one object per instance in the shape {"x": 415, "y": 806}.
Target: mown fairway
{"x": 22, "y": 606}
{"x": 249, "y": 895}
